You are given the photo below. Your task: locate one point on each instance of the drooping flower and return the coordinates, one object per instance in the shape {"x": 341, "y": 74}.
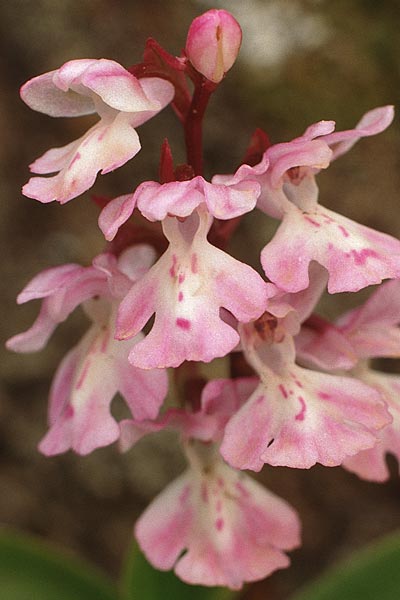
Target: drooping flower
{"x": 228, "y": 527}
{"x": 354, "y": 255}
{"x": 82, "y": 87}
{"x": 369, "y": 331}
{"x": 97, "y": 368}
{"x": 186, "y": 289}
{"x": 297, "y": 417}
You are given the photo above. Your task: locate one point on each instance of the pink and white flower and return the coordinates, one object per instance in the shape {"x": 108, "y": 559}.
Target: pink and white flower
{"x": 230, "y": 529}
{"x": 158, "y": 201}
{"x": 186, "y": 289}
{"x": 97, "y": 368}
{"x": 82, "y": 87}
{"x": 297, "y": 417}
{"x": 354, "y": 255}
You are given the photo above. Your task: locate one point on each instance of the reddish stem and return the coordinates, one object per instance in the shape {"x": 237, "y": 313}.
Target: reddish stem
{"x": 194, "y": 123}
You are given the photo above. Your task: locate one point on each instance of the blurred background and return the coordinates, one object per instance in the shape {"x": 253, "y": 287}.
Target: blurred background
{"x": 301, "y": 61}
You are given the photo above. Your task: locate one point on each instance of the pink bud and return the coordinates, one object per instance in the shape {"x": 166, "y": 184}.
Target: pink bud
{"x": 213, "y": 43}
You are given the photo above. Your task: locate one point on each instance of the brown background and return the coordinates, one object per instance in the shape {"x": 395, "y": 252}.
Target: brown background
{"x": 331, "y": 60}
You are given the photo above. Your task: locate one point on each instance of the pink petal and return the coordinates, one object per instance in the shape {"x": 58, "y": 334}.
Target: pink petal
{"x": 373, "y": 122}
{"x": 115, "y": 214}
{"x": 233, "y": 530}
{"x": 355, "y": 256}
{"x": 373, "y": 328}
{"x": 324, "y": 346}
{"x": 41, "y": 94}
{"x": 37, "y": 336}
{"x": 164, "y": 527}
{"x": 186, "y": 289}
{"x": 105, "y": 147}
{"x": 179, "y": 198}
{"x": 371, "y": 464}
{"x": 120, "y": 89}
{"x": 298, "y": 417}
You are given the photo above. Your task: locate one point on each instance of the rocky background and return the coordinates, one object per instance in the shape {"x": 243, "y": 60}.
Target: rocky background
{"x": 301, "y": 61}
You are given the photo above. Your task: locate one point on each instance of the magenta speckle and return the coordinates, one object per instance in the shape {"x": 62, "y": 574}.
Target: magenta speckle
{"x": 193, "y": 263}
{"x": 183, "y": 323}
{"x": 283, "y": 390}
{"x": 220, "y": 482}
{"x": 298, "y": 383}
{"x": 260, "y": 400}
{"x": 219, "y": 524}
{"x": 219, "y": 506}
{"x": 180, "y": 296}
{"x": 310, "y": 220}
{"x": 172, "y": 270}
{"x": 69, "y": 412}
{"x": 344, "y": 230}
{"x": 361, "y": 257}
{"x": 76, "y": 157}
{"x": 181, "y": 277}
{"x": 324, "y": 396}
{"x": 82, "y": 377}
{"x": 240, "y": 487}
{"x": 301, "y": 414}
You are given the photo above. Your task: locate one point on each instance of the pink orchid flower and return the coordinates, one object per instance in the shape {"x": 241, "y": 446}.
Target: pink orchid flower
{"x": 228, "y": 527}
{"x": 97, "y": 368}
{"x": 186, "y": 289}
{"x": 83, "y": 87}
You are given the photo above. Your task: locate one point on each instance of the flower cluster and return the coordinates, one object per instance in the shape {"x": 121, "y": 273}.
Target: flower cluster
{"x": 310, "y": 395}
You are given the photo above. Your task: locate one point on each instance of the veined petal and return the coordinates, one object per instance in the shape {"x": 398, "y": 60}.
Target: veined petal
{"x": 305, "y": 418}
{"x": 354, "y": 255}
{"x": 186, "y": 289}
{"x": 232, "y": 529}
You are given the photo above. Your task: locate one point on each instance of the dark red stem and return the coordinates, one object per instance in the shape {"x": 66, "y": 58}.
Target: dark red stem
{"x": 194, "y": 123}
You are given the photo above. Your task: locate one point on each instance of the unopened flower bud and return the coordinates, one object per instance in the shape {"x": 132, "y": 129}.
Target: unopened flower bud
{"x": 213, "y": 43}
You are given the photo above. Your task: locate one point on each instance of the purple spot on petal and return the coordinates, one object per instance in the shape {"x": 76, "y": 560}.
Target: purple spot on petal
{"x": 240, "y": 487}
{"x": 310, "y": 220}
{"x": 183, "y": 323}
{"x": 76, "y": 157}
{"x": 298, "y": 383}
{"x": 219, "y": 524}
{"x": 344, "y": 230}
{"x": 69, "y": 412}
{"x": 219, "y": 506}
{"x": 180, "y": 296}
{"x": 260, "y": 399}
{"x": 181, "y": 277}
{"x": 324, "y": 396}
{"x": 283, "y": 390}
{"x": 172, "y": 270}
{"x": 220, "y": 482}
{"x": 193, "y": 263}
{"x": 300, "y": 416}
{"x": 360, "y": 257}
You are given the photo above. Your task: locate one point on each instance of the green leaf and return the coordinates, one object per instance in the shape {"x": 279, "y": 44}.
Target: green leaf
{"x": 141, "y": 582}
{"x": 372, "y": 574}
{"x": 33, "y": 570}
